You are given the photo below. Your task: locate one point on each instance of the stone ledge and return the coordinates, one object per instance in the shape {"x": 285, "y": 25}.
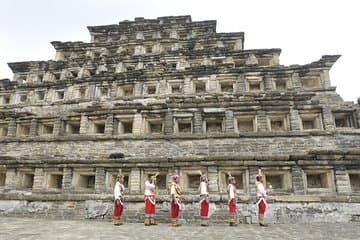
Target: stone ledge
{"x": 297, "y": 198}
{"x": 98, "y": 137}
{"x": 134, "y": 212}
{"x": 147, "y": 162}
{"x": 187, "y": 198}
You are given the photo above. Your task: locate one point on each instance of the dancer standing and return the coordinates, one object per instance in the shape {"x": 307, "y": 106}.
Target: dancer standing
{"x": 150, "y": 193}
{"x": 204, "y": 200}
{"x": 232, "y": 196}
{"x": 175, "y": 193}
{"x": 260, "y": 198}
{"x": 118, "y": 198}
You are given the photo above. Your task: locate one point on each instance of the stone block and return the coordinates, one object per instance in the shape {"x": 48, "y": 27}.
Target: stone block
{"x": 95, "y": 209}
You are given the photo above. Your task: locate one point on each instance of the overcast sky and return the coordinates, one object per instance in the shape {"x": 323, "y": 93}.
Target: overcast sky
{"x": 304, "y": 30}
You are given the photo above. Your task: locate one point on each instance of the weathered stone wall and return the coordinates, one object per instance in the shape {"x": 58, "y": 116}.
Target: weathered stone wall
{"x": 78, "y": 150}
{"x": 306, "y": 212}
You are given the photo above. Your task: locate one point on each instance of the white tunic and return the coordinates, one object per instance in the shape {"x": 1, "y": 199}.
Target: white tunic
{"x": 231, "y": 192}
{"x": 174, "y": 189}
{"x": 149, "y": 188}
{"x": 260, "y": 190}
{"x": 118, "y": 190}
{"x": 203, "y": 188}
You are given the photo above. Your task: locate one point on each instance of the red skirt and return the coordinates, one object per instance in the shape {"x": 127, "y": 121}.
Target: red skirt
{"x": 174, "y": 211}
{"x": 232, "y": 206}
{"x": 153, "y": 209}
{"x": 262, "y": 206}
{"x": 204, "y": 208}
{"x": 149, "y": 206}
{"x": 118, "y": 208}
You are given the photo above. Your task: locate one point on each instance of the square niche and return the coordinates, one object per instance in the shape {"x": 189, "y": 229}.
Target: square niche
{"x": 151, "y": 90}
{"x": 84, "y": 180}
{"x": 176, "y": 88}
{"x": 227, "y": 87}
{"x": 155, "y": 126}
{"x": 311, "y": 122}
{"x": 2, "y": 179}
{"x": 27, "y": 180}
{"x": 318, "y": 181}
{"x": 214, "y": 125}
{"x": 127, "y": 91}
{"x": 245, "y": 124}
{"x": 193, "y": 181}
{"x": 183, "y": 124}
{"x": 3, "y": 130}
{"x": 354, "y": 181}
{"x": 281, "y": 84}
{"x": 54, "y": 180}
{"x": 99, "y": 127}
{"x": 280, "y": 180}
{"x": 73, "y": 127}
{"x": 46, "y": 128}
{"x": 343, "y": 120}
{"x": 200, "y": 87}
{"x": 23, "y": 129}
{"x": 124, "y": 126}
{"x": 277, "y": 123}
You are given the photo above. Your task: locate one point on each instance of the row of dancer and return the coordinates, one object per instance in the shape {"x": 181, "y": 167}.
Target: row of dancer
{"x": 176, "y": 204}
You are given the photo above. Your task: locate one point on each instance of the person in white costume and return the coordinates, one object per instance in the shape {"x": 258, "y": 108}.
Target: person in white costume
{"x": 118, "y": 198}
{"x": 261, "y": 198}
{"x": 175, "y": 205}
{"x": 150, "y": 202}
{"x": 232, "y": 196}
{"x": 204, "y": 200}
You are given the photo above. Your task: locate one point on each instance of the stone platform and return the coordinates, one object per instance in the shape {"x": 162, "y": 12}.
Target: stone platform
{"x": 26, "y": 228}
{"x": 277, "y": 212}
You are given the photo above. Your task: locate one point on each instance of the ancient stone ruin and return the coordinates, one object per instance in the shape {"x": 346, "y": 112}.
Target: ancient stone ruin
{"x": 171, "y": 95}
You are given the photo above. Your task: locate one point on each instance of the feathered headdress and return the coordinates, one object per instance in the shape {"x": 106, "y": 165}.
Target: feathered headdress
{"x": 153, "y": 177}
{"x": 120, "y": 175}
{"x": 202, "y": 176}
